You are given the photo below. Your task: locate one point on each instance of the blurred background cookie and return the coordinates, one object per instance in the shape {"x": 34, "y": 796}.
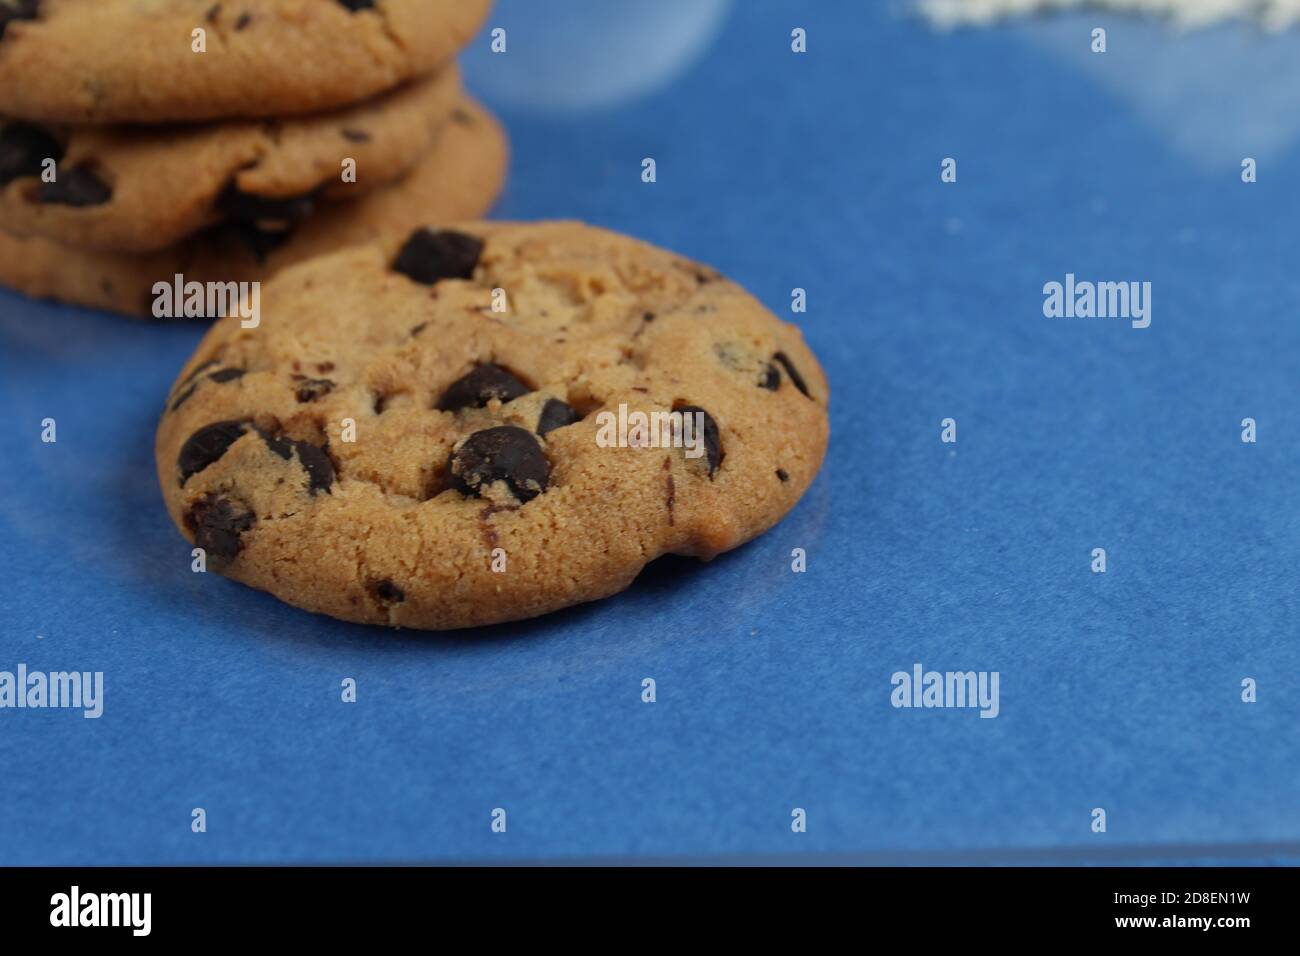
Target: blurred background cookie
{"x": 459, "y": 176}
{"x": 127, "y": 61}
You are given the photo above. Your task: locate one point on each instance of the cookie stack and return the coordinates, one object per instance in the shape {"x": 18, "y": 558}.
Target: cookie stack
{"x": 222, "y": 140}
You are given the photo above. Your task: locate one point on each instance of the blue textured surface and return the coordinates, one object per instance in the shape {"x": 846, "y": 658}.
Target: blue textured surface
{"x": 821, "y": 171}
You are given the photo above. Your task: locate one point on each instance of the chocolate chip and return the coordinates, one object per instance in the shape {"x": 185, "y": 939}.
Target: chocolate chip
{"x": 388, "y": 592}
{"x": 238, "y": 206}
{"x": 314, "y": 459}
{"x": 484, "y": 383}
{"x": 220, "y": 377}
{"x": 207, "y": 445}
{"x": 771, "y": 379}
{"x": 311, "y": 389}
{"x": 712, "y": 437}
{"x": 23, "y": 148}
{"x": 277, "y": 443}
{"x": 647, "y": 316}
{"x": 792, "y": 372}
{"x": 504, "y": 453}
{"x": 199, "y": 370}
{"x": 244, "y": 20}
{"x": 417, "y": 329}
{"x": 259, "y": 242}
{"x": 214, "y": 11}
{"x": 217, "y": 524}
{"x": 556, "y": 414}
{"x": 782, "y": 474}
{"x": 355, "y": 135}
{"x": 429, "y": 256}
{"x": 355, "y": 5}
{"x": 183, "y": 397}
{"x": 77, "y": 187}
{"x": 320, "y": 469}
{"x": 261, "y": 224}
{"x": 671, "y": 495}
{"x": 17, "y": 10}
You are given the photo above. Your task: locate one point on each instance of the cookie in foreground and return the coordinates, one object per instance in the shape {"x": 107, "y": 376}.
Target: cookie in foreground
{"x": 443, "y": 430}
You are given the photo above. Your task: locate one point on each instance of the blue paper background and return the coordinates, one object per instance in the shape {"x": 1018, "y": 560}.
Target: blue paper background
{"x": 819, "y": 171}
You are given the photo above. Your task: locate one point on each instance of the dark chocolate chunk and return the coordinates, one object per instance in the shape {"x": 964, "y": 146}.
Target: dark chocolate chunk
{"x": 207, "y": 445}
{"x": 712, "y": 437}
{"x": 771, "y": 378}
{"x": 320, "y": 469}
{"x": 647, "y": 316}
{"x": 429, "y": 256}
{"x": 310, "y": 389}
{"x": 556, "y": 414}
{"x": 782, "y": 474}
{"x": 23, "y": 148}
{"x": 792, "y": 372}
{"x": 277, "y": 443}
{"x": 11, "y": 10}
{"x": 220, "y": 376}
{"x": 355, "y": 135}
{"x": 217, "y": 524}
{"x": 504, "y": 453}
{"x": 244, "y": 20}
{"x": 259, "y": 242}
{"x": 355, "y": 5}
{"x": 388, "y": 592}
{"x": 482, "y": 384}
{"x": 199, "y": 370}
{"x": 314, "y": 459}
{"x": 183, "y": 397}
{"x": 239, "y": 206}
{"x": 76, "y": 187}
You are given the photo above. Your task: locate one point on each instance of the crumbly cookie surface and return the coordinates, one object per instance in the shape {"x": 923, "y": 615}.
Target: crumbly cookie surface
{"x": 459, "y": 177}
{"x": 141, "y": 189}
{"x": 116, "y": 61}
{"x": 387, "y": 447}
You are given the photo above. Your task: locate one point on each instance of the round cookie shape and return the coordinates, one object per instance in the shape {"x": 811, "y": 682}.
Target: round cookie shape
{"x": 139, "y": 61}
{"x": 464, "y": 464}
{"x": 141, "y": 189}
{"x": 459, "y": 177}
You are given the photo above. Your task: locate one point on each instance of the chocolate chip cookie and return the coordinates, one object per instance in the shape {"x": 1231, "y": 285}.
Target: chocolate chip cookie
{"x": 458, "y": 177}
{"x": 116, "y": 61}
{"x": 421, "y": 431}
{"x": 141, "y": 189}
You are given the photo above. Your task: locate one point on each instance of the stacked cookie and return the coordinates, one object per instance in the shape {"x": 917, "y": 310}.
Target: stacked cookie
{"x": 222, "y": 140}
